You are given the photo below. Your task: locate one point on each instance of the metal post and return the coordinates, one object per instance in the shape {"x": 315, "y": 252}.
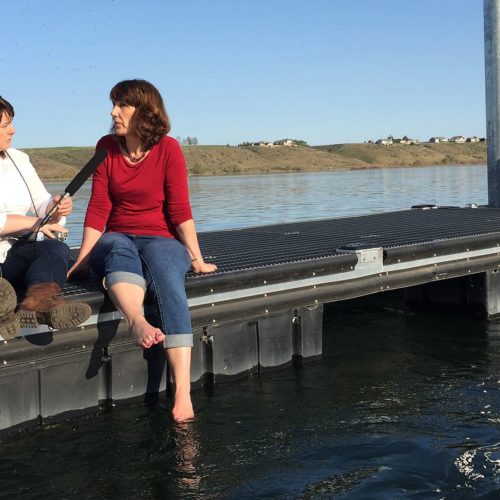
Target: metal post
{"x": 492, "y": 70}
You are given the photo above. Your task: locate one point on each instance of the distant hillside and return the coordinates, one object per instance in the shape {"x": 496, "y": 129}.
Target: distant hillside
{"x": 64, "y": 163}
{"x": 395, "y": 155}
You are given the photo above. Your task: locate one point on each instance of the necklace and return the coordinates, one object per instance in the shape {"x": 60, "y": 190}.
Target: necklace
{"x": 133, "y": 158}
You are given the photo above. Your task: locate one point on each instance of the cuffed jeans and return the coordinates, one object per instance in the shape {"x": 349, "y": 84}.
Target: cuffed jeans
{"x": 31, "y": 262}
{"x": 158, "y": 265}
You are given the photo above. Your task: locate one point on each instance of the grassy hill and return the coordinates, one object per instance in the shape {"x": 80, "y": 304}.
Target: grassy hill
{"x": 64, "y": 163}
{"x": 448, "y": 153}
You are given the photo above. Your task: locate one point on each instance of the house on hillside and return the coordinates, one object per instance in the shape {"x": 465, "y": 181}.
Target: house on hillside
{"x": 285, "y": 142}
{"x": 473, "y": 139}
{"x": 459, "y": 139}
{"x": 384, "y": 142}
{"x": 438, "y": 139}
{"x": 406, "y": 140}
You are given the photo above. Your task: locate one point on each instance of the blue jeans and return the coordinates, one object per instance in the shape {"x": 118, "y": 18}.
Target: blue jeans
{"x": 31, "y": 262}
{"x": 158, "y": 265}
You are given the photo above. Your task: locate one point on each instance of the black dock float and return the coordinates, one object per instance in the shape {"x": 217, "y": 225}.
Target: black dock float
{"x": 261, "y": 310}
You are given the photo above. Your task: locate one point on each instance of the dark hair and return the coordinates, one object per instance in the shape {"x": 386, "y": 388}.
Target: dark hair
{"x": 150, "y": 120}
{"x": 5, "y": 108}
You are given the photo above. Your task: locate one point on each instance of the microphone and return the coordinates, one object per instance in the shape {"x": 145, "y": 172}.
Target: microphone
{"x": 85, "y": 173}
{"x": 74, "y": 185}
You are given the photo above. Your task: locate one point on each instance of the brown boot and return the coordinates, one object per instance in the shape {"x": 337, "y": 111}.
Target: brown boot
{"x": 10, "y": 326}
{"x": 9, "y": 321}
{"x": 43, "y": 304}
{"x": 8, "y": 298}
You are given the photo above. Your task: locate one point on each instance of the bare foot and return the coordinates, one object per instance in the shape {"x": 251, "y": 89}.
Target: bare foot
{"x": 159, "y": 337}
{"x": 145, "y": 334}
{"x": 183, "y": 408}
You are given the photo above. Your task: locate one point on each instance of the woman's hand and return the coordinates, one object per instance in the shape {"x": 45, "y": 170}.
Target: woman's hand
{"x": 187, "y": 234}
{"x": 200, "y": 266}
{"x": 49, "y": 229}
{"x": 63, "y": 209}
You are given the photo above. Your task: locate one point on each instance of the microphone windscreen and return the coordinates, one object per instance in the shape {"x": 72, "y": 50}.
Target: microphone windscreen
{"x": 85, "y": 172}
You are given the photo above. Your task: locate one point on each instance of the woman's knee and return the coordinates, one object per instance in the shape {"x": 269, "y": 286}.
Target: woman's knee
{"x": 168, "y": 255}
{"x": 110, "y": 242}
{"x": 54, "y": 247}
{"x": 115, "y": 252}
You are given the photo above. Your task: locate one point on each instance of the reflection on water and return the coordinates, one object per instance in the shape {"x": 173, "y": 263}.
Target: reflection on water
{"x": 249, "y": 200}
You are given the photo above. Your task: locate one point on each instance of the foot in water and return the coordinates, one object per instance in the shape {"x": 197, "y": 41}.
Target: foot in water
{"x": 144, "y": 334}
{"x": 183, "y": 407}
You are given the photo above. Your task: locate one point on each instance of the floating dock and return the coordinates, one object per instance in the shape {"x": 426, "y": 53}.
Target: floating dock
{"x": 261, "y": 310}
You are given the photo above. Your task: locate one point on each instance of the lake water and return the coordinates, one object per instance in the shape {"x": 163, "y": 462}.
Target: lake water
{"x": 249, "y": 200}
{"x": 400, "y": 405}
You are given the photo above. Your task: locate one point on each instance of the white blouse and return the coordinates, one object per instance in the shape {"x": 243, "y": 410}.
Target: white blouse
{"x": 14, "y": 195}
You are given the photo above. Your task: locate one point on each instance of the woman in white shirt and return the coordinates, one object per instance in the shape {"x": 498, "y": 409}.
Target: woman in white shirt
{"x": 39, "y": 267}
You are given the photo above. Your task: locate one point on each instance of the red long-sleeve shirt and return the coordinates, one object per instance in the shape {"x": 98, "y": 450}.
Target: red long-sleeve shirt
{"x": 149, "y": 198}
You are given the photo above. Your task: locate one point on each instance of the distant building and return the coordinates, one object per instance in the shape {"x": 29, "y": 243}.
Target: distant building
{"x": 438, "y": 139}
{"x": 262, "y": 144}
{"x": 459, "y": 139}
{"x": 384, "y": 142}
{"x": 406, "y": 140}
{"x": 285, "y": 142}
{"x": 473, "y": 139}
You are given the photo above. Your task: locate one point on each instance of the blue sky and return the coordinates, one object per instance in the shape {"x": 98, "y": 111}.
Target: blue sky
{"x": 325, "y": 71}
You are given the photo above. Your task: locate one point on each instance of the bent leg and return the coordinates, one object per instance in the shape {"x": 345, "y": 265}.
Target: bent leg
{"x": 29, "y": 263}
{"x": 165, "y": 263}
{"x": 128, "y": 299}
{"x": 41, "y": 268}
{"x": 115, "y": 257}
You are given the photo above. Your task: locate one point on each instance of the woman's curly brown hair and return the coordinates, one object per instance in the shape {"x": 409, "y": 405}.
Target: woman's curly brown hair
{"x": 150, "y": 120}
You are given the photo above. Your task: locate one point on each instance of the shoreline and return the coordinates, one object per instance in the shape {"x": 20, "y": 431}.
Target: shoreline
{"x": 60, "y": 164}
{"x": 285, "y": 172}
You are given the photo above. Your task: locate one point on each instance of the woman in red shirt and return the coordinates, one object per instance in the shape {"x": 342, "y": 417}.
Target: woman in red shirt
{"x": 139, "y": 233}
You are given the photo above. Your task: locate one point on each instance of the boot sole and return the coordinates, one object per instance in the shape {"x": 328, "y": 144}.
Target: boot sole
{"x": 10, "y": 327}
{"x": 59, "y": 317}
{"x": 8, "y": 298}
